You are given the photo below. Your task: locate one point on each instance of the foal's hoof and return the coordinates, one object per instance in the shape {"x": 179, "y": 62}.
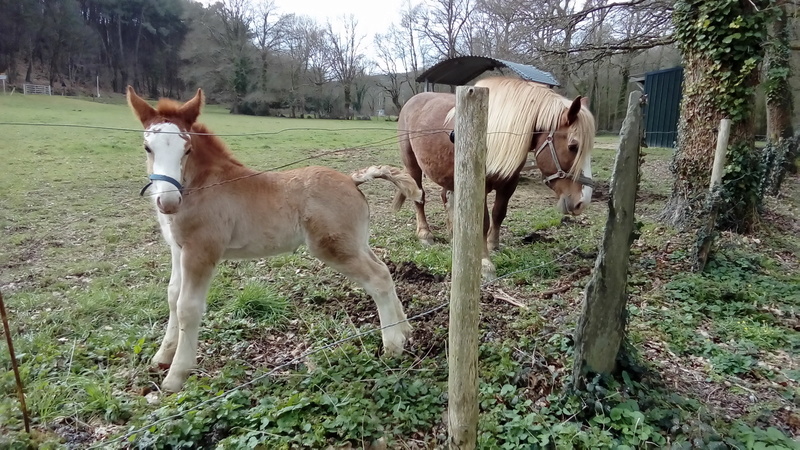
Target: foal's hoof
{"x": 173, "y": 383}
{"x": 395, "y": 339}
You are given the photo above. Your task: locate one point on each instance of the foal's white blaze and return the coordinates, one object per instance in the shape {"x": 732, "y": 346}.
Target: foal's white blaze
{"x": 168, "y": 150}
{"x": 587, "y": 190}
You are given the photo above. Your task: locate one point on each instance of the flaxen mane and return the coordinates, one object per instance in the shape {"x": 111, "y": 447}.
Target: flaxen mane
{"x": 517, "y": 108}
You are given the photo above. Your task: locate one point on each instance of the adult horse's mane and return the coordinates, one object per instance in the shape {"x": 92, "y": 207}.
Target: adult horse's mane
{"x": 517, "y": 109}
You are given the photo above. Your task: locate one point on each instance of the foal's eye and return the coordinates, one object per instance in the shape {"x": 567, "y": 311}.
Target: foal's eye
{"x": 573, "y": 148}
{"x": 147, "y": 149}
{"x": 188, "y": 150}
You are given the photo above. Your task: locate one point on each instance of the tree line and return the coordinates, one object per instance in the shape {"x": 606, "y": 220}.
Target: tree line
{"x": 258, "y": 60}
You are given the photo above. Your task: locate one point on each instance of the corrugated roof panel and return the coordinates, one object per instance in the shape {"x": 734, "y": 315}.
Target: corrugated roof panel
{"x": 463, "y": 69}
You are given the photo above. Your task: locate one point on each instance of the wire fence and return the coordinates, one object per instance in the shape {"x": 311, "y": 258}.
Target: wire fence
{"x": 396, "y": 134}
{"x": 224, "y": 395}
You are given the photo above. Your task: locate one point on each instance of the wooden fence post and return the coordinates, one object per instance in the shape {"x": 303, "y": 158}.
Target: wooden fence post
{"x": 601, "y": 327}
{"x": 706, "y": 233}
{"x": 468, "y": 199}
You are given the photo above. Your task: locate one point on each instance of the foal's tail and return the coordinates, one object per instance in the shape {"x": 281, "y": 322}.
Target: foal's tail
{"x": 407, "y": 187}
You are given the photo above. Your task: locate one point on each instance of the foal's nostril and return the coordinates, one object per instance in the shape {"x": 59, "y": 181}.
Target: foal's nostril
{"x": 578, "y": 206}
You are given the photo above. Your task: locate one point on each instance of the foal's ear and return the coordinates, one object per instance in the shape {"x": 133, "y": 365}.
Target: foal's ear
{"x": 585, "y": 102}
{"x": 574, "y": 109}
{"x": 140, "y": 108}
{"x": 191, "y": 109}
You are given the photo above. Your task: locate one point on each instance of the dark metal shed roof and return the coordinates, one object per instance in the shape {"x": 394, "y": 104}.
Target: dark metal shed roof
{"x": 463, "y": 69}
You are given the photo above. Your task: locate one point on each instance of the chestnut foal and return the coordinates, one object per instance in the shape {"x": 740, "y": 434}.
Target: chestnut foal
{"x": 211, "y": 207}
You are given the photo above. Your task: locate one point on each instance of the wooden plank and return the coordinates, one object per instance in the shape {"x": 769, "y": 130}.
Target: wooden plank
{"x": 468, "y": 199}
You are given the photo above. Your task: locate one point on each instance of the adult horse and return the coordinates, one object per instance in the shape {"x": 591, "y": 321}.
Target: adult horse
{"x": 210, "y": 207}
{"x": 522, "y": 117}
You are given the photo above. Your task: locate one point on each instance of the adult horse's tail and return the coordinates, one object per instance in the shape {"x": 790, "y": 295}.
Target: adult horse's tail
{"x": 407, "y": 187}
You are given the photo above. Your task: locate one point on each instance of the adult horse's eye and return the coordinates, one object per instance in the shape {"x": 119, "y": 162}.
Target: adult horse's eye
{"x": 573, "y": 148}
{"x": 147, "y": 149}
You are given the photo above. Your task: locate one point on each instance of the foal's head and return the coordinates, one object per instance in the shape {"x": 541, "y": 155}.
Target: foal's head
{"x": 562, "y": 156}
{"x": 167, "y": 143}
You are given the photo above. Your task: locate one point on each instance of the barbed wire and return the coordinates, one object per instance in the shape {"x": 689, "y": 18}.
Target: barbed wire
{"x": 224, "y": 395}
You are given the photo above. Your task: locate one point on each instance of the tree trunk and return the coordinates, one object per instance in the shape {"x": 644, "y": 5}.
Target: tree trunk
{"x": 624, "y": 79}
{"x": 691, "y": 165}
{"x": 347, "y": 100}
{"x": 717, "y": 84}
{"x": 782, "y": 151}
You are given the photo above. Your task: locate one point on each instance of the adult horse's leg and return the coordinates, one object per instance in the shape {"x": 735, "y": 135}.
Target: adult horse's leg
{"x": 488, "y": 271}
{"x": 448, "y": 207}
{"x": 503, "y": 194}
{"x": 197, "y": 269}
{"x": 412, "y": 167}
{"x": 163, "y": 357}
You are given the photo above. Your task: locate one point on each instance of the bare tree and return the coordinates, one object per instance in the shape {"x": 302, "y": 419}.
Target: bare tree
{"x": 399, "y": 56}
{"x": 443, "y": 25}
{"x": 300, "y": 36}
{"x": 346, "y": 58}
{"x": 268, "y": 32}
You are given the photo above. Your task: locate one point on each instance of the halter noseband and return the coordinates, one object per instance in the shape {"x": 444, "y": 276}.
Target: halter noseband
{"x": 560, "y": 173}
{"x": 168, "y": 179}
{"x": 158, "y": 177}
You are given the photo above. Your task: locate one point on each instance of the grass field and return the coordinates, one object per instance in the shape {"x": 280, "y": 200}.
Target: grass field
{"x": 713, "y": 357}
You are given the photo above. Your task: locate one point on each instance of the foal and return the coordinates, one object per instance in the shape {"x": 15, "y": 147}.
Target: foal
{"x": 211, "y": 207}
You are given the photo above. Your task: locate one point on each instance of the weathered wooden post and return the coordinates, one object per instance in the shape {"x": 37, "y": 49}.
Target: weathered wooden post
{"x": 706, "y": 233}
{"x": 468, "y": 198}
{"x": 601, "y": 327}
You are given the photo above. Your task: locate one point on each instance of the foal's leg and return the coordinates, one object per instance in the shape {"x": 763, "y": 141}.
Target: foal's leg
{"x": 503, "y": 194}
{"x": 197, "y": 269}
{"x": 163, "y": 357}
{"x": 359, "y": 263}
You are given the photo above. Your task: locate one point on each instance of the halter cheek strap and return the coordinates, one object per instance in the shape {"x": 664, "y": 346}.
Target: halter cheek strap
{"x": 158, "y": 177}
{"x": 560, "y": 173}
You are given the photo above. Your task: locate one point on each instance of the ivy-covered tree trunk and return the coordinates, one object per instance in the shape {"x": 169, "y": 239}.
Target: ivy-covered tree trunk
{"x": 782, "y": 149}
{"x": 721, "y": 41}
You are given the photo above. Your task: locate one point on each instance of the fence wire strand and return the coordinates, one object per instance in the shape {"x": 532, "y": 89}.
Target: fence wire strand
{"x": 224, "y": 395}
{"x": 398, "y": 134}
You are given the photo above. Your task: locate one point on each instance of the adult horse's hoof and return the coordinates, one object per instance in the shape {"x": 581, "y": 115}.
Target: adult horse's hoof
{"x": 488, "y": 272}
{"x": 425, "y": 238}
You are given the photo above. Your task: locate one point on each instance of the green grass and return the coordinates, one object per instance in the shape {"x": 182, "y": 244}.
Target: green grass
{"x": 84, "y": 273}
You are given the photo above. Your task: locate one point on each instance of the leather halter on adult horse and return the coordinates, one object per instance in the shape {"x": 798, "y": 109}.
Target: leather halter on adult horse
{"x": 211, "y": 207}
{"x": 522, "y": 117}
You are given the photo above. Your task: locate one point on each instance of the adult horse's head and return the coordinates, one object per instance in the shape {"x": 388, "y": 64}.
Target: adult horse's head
{"x": 525, "y": 117}
{"x": 167, "y": 143}
{"x": 569, "y": 172}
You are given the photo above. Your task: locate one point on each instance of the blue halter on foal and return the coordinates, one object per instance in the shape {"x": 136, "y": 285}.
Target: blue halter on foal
{"x": 157, "y": 177}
